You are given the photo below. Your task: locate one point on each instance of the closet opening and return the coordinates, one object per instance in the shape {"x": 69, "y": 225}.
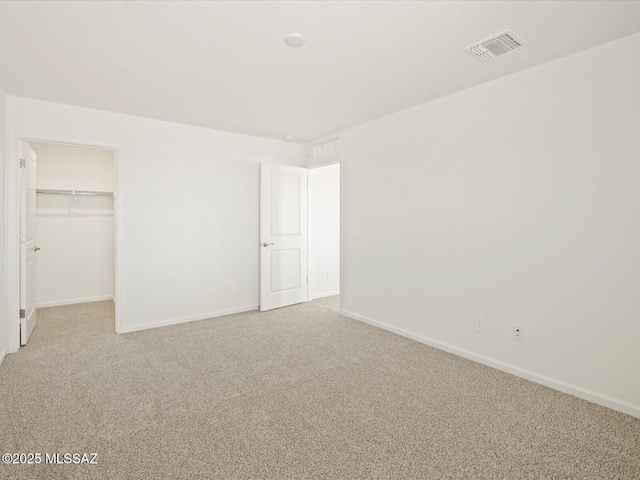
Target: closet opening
{"x": 67, "y": 239}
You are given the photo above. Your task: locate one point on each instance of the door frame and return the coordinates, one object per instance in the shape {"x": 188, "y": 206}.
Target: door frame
{"x": 12, "y": 229}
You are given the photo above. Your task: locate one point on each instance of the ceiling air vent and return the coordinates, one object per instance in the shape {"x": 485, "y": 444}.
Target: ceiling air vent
{"x": 496, "y": 46}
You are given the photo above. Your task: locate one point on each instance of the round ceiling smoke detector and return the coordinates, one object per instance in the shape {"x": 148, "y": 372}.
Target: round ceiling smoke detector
{"x": 295, "y": 40}
{"x": 288, "y": 137}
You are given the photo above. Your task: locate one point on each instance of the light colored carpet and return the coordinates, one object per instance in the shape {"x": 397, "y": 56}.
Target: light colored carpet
{"x": 299, "y": 392}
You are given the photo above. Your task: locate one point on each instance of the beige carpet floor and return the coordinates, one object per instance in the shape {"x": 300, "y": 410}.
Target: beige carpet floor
{"x": 299, "y": 392}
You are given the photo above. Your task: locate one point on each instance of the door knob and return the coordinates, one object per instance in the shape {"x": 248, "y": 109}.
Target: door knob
{"x": 36, "y": 249}
{"x": 265, "y": 244}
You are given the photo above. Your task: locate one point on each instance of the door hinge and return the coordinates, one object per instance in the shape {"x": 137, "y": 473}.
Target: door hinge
{"x": 23, "y": 163}
{"x": 22, "y": 313}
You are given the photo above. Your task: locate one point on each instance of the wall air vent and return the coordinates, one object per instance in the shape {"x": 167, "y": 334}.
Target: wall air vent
{"x": 495, "y": 46}
{"x": 324, "y": 146}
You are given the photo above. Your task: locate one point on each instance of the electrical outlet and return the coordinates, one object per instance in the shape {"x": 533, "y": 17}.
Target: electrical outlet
{"x": 479, "y": 324}
{"x": 329, "y": 275}
{"x": 518, "y": 334}
{"x": 231, "y": 289}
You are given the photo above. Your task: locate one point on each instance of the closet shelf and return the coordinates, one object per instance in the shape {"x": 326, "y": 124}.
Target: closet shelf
{"x": 74, "y": 192}
{"x": 66, "y": 212}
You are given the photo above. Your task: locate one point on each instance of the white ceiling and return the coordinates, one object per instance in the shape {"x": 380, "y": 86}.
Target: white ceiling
{"x": 225, "y": 65}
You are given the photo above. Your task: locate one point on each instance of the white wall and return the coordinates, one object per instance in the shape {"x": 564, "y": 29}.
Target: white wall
{"x": 70, "y": 167}
{"x": 518, "y": 200}
{"x": 324, "y": 231}
{"x": 3, "y": 321}
{"x": 188, "y": 198}
{"x": 76, "y": 262}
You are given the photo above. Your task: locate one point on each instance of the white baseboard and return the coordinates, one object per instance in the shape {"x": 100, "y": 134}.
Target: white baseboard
{"x": 58, "y": 303}
{"x": 575, "y": 390}
{"x": 192, "y": 318}
{"x": 325, "y": 294}
{"x": 3, "y": 354}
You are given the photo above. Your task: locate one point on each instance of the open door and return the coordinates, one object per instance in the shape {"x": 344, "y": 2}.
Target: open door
{"x": 28, "y": 247}
{"x": 283, "y": 236}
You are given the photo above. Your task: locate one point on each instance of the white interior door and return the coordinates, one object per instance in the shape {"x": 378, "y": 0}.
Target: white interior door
{"x": 283, "y": 236}
{"x": 28, "y": 247}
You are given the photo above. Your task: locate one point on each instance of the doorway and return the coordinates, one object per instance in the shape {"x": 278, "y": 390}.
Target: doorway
{"x": 299, "y": 234}
{"x": 67, "y": 208}
{"x": 324, "y": 231}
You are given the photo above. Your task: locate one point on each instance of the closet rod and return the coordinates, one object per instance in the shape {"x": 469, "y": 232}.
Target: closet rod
{"x": 73, "y": 192}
